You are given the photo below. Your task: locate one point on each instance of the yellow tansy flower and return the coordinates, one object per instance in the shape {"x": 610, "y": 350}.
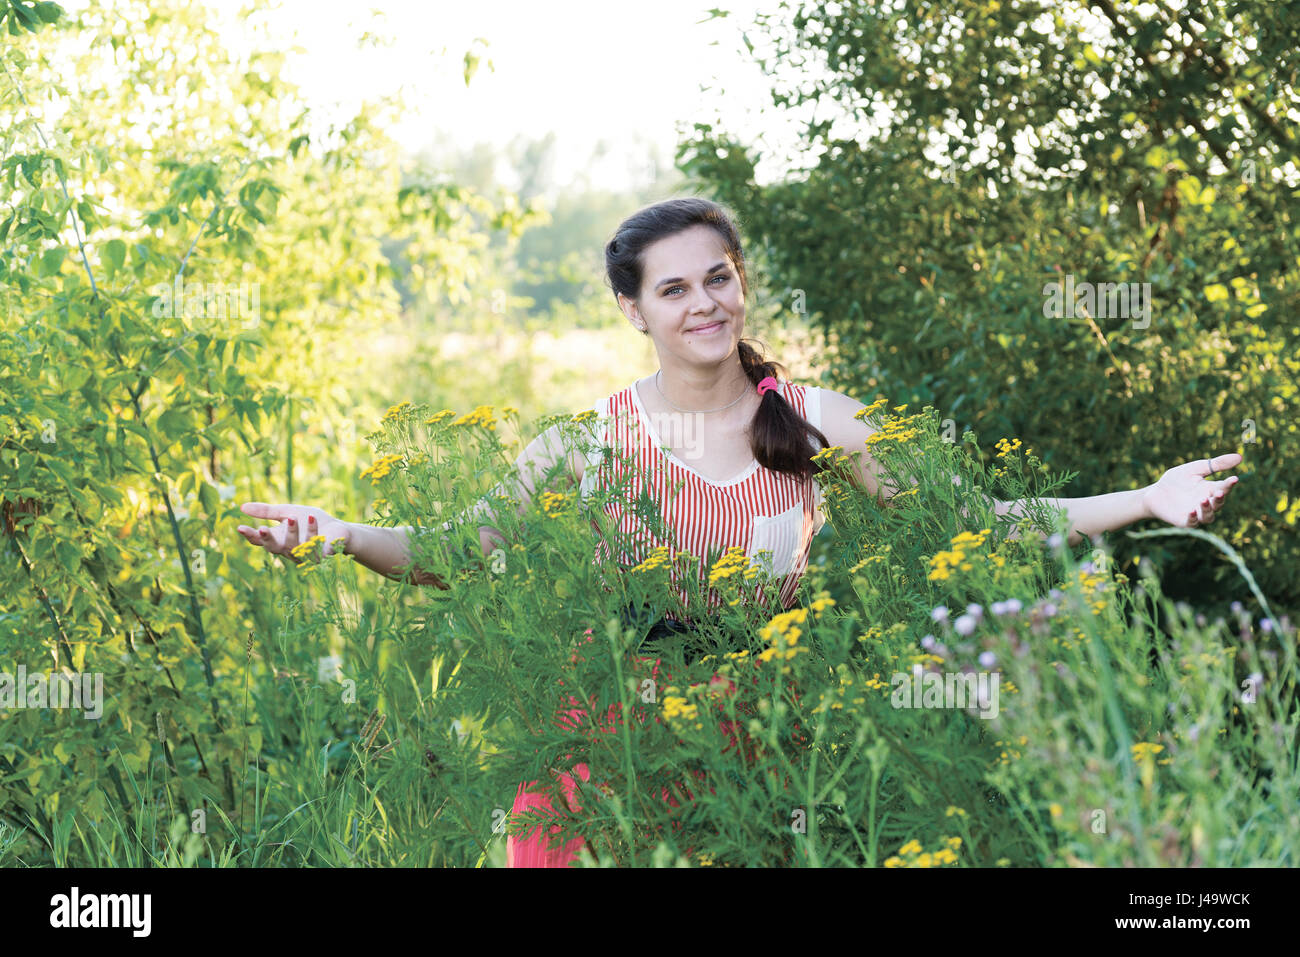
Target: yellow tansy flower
{"x": 380, "y": 468}
{"x": 396, "y": 410}
{"x": 482, "y": 415}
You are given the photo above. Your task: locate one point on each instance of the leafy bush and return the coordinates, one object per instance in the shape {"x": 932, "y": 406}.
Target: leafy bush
{"x": 153, "y": 281}
{"x": 1121, "y": 732}
{"x": 966, "y": 156}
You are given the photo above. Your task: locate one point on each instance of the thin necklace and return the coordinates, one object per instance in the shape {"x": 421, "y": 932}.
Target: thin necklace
{"x": 696, "y": 411}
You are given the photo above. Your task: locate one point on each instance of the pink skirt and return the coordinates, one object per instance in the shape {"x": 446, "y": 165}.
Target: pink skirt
{"x": 531, "y": 850}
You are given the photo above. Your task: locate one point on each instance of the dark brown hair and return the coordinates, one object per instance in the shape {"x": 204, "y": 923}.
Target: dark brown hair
{"x": 779, "y": 436}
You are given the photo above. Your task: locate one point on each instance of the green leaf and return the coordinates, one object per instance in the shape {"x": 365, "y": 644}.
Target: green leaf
{"x": 52, "y": 261}
{"x": 74, "y": 377}
{"x": 114, "y": 255}
{"x": 210, "y": 499}
{"x": 49, "y": 12}
{"x": 24, "y": 16}
{"x": 173, "y": 423}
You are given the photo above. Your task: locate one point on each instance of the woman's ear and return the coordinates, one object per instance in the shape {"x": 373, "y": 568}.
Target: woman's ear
{"x": 630, "y": 310}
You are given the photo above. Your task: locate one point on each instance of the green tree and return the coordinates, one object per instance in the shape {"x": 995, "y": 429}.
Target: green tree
{"x": 969, "y": 154}
{"x": 188, "y": 266}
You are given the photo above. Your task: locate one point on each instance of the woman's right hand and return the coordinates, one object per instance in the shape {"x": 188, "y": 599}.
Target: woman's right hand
{"x": 298, "y": 523}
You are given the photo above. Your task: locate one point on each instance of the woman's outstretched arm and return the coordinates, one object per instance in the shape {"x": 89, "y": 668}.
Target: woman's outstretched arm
{"x": 1184, "y": 496}
{"x": 387, "y": 550}
{"x": 531, "y": 467}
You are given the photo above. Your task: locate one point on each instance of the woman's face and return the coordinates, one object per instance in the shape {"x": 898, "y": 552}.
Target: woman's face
{"x": 690, "y": 302}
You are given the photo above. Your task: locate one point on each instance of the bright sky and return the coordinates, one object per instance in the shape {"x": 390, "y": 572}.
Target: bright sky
{"x": 626, "y": 73}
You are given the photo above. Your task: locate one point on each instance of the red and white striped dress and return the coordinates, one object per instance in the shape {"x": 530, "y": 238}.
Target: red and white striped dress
{"x": 756, "y": 510}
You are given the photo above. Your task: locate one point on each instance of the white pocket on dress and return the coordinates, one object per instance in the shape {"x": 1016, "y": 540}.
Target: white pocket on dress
{"x": 781, "y": 535}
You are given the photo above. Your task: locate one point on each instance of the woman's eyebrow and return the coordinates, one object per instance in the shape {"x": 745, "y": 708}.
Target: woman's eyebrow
{"x": 712, "y": 269}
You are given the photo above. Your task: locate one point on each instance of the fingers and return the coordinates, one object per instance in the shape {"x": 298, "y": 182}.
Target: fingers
{"x": 337, "y": 531}
{"x": 263, "y": 510}
{"x": 253, "y": 535}
{"x": 1216, "y": 498}
{"x": 250, "y": 535}
{"x": 1204, "y": 513}
{"x": 1221, "y": 463}
{"x": 263, "y": 536}
{"x": 299, "y": 525}
{"x": 267, "y": 538}
{"x": 1206, "y": 510}
{"x": 292, "y": 534}
{"x": 313, "y": 529}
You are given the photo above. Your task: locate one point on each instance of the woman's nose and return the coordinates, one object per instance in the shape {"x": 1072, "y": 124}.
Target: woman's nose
{"x": 702, "y": 303}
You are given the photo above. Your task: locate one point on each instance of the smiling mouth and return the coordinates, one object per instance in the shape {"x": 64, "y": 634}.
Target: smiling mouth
{"x": 710, "y": 327}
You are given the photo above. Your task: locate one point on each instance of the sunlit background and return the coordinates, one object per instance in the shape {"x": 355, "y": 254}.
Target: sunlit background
{"x": 577, "y": 108}
{"x": 599, "y": 91}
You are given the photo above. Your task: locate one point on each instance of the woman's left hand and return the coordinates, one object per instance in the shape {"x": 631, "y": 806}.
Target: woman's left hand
{"x": 1184, "y": 496}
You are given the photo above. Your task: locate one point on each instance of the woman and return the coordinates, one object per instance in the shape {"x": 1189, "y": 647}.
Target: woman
{"x": 715, "y": 421}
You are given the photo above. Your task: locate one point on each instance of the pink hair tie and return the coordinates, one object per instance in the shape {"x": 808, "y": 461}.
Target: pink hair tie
{"x": 767, "y": 383}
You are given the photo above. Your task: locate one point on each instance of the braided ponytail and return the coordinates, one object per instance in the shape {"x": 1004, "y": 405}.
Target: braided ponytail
{"x": 779, "y": 435}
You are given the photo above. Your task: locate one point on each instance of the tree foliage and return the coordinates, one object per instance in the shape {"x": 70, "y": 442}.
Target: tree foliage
{"x": 189, "y": 261}
{"x": 969, "y": 154}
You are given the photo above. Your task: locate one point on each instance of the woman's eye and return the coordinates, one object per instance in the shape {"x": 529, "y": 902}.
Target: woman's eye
{"x": 671, "y": 289}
